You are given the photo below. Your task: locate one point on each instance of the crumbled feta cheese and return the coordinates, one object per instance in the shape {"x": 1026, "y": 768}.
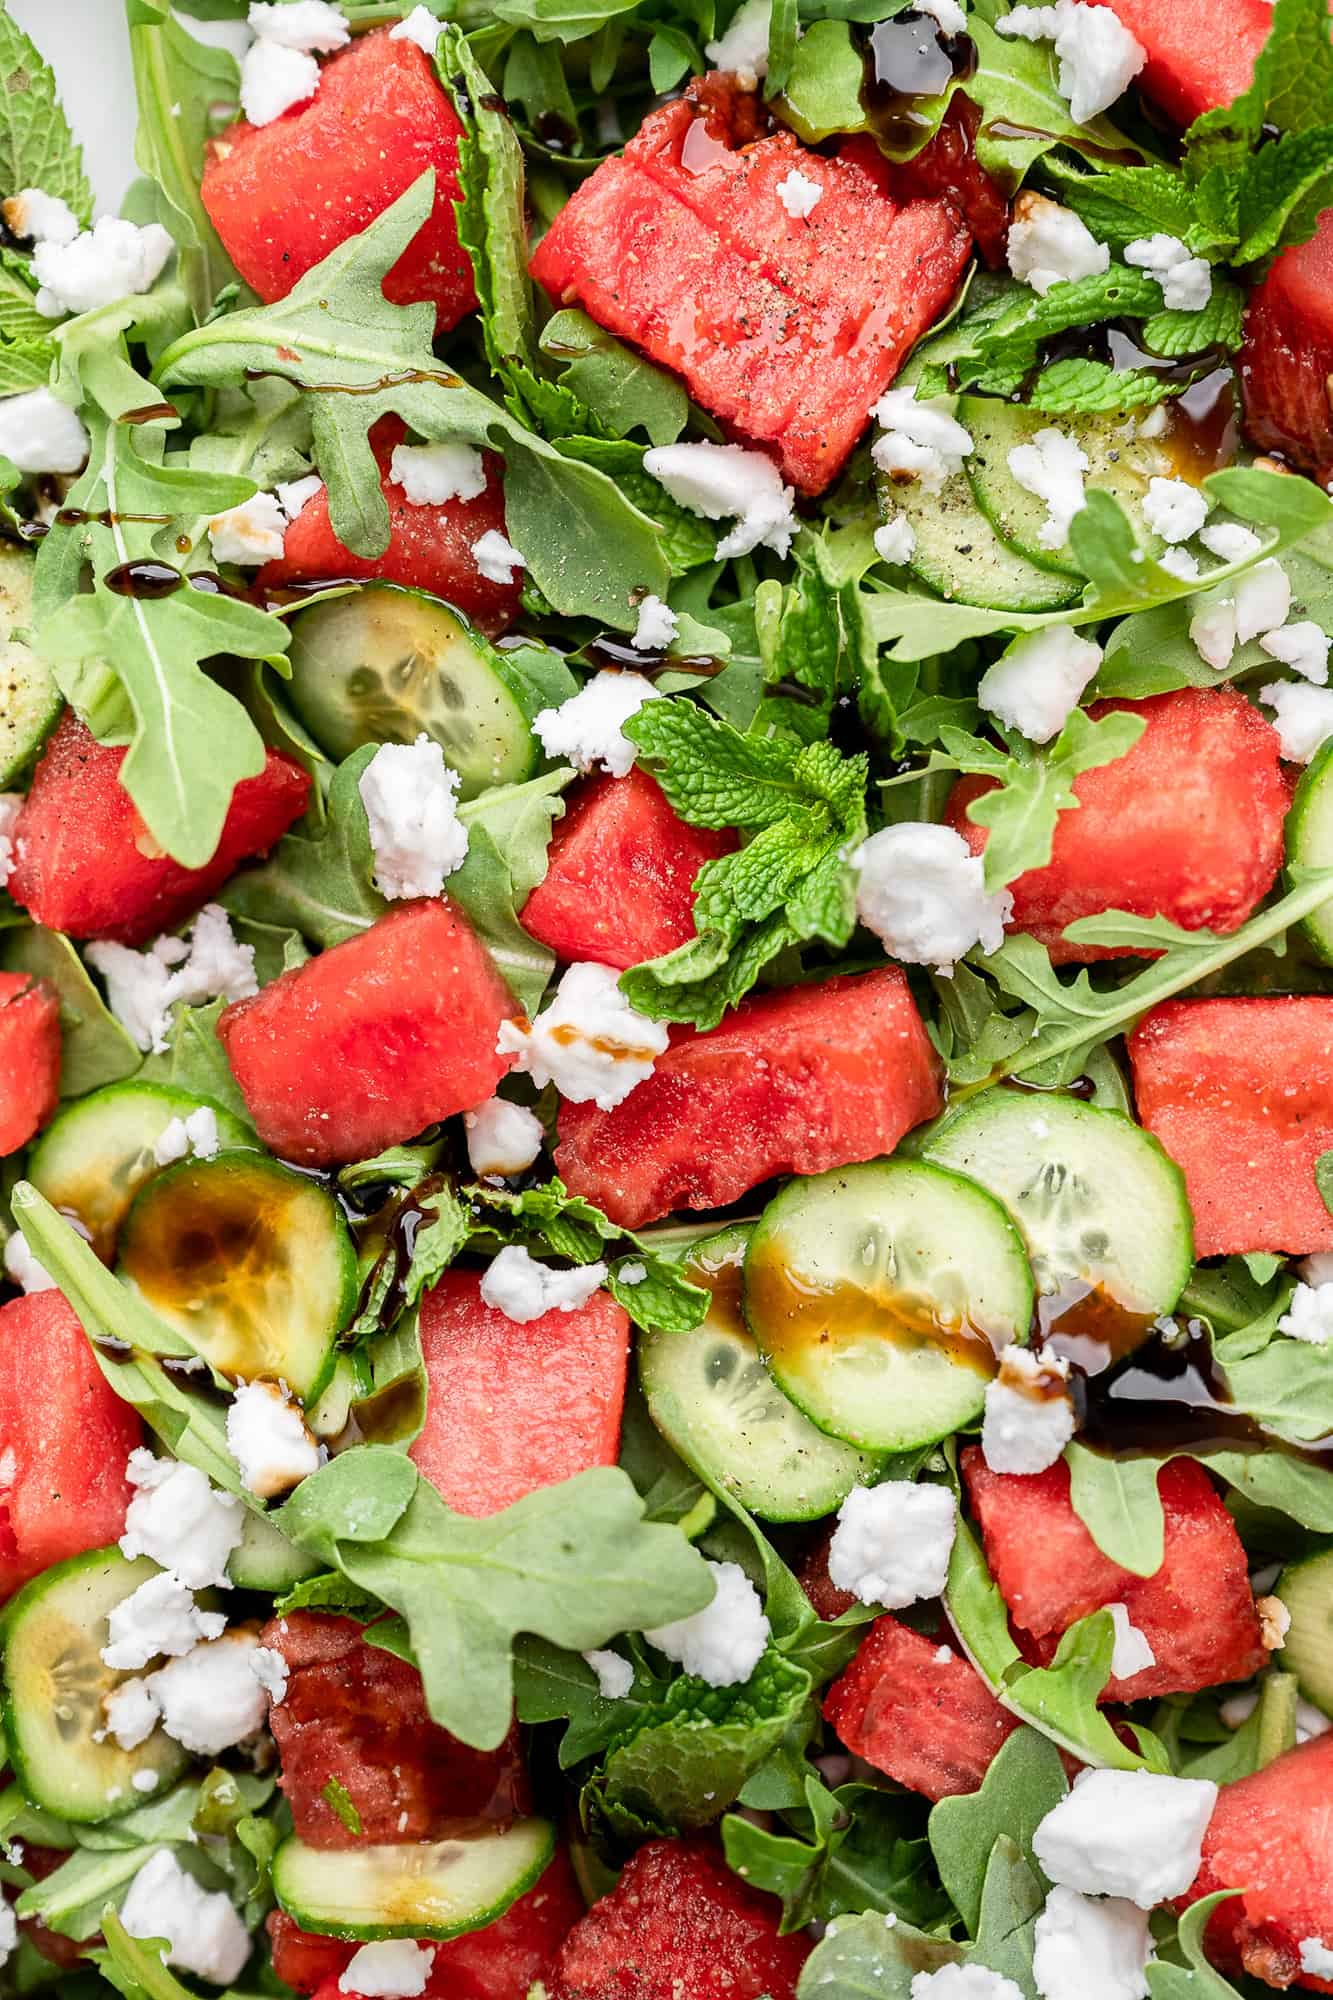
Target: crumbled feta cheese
{"x": 1036, "y": 683}
{"x": 892, "y": 1542}
{"x": 1316, "y": 1958}
{"x": 1186, "y": 282}
{"x": 107, "y": 262}
{"x": 522, "y": 1289}
{"x": 1309, "y": 1316}
{"x": 1132, "y": 1652}
{"x": 727, "y": 482}
{"x": 143, "y": 986}
{"x": 40, "y": 433}
{"x": 1228, "y": 541}
{"x": 215, "y": 965}
{"x": 1098, "y": 57}
{"x": 267, "y": 1436}
{"x": 615, "y": 1675}
{"x": 1303, "y": 647}
{"x": 392, "y": 1969}
{"x": 895, "y": 542}
{"x": 203, "y": 1932}
{"x": 743, "y": 49}
{"x": 35, "y": 217}
{"x": 160, "y": 1617}
{"x": 195, "y": 1135}
{"x": 131, "y": 1713}
{"x": 252, "y": 533}
{"x": 1029, "y": 1417}
{"x": 588, "y": 729}
{"x": 1179, "y": 562}
{"x": 274, "y": 80}
{"x": 22, "y": 1267}
{"x": 270, "y": 1669}
{"x": 1127, "y": 1833}
{"x": 211, "y": 1697}
{"x": 588, "y": 1041}
{"x": 11, "y": 805}
{"x": 1274, "y": 1622}
{"x": 1052, "y": 467}
{"x": 799, "y": 195}
{"x": 963, "y": 1982}
{"x": 313, "y": 26}
{"x": 1303, "y": 717}
{"x": 1174, "y": 509}
{"x": 921, "y": 440}
{"x": 294, "y": 495}
{"x": 1090, "y": 1950}
{"x": 1030, "y": 24}
{"x": 923, "y": 893}
{"x": 632, "y": 1273}
{"x": 656, "y": 627}
{"x": 723, "y": 1643}
{"x": 410, "y": 797}
{"x": 1263, "y": 599}
{"x": 421, "y": 27}
{"x": 947, "y": 15}
{"x": 144, "y": 1781}
{"x": 431, "y": 474}
{"x": 502, "y": 1138}
{"x": 1049, "y": 245}
{"x": 496, "y": 558}
{"x": 1213, "y": 630}
{"x": 179, "y": 1520}
{"x": 9, "y": 1928}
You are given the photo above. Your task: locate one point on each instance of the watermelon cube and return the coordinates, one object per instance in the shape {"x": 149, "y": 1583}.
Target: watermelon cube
{"x": 795, "y": 325}
{"x": 791, "y": 1082}
{"x": 29, "y": 1057}
{"x": 1187, "y": 825}
{"x": 512, "y": 1407}
{"x": 372, "y": 1041}
{"x": 619, "y": 884}
{"x": 918, "y": 1711}
{"x": 86, "y": 863}
{"x": 1200, "y": 54}
{"x": 1240, "y": 1093}
{"x": 947, "y": 166}
{"x": 282, "y": 196}
{"x": 1287, "y": 356}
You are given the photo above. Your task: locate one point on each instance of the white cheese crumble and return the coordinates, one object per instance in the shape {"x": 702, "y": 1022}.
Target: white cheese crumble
{"x": 1029, "y": 1417}
{"x": 274, "y": 80}
{"x": 895, "y": 541}
{"x": 38, "y": 217}
{"x": 267, "y": 1436}
{"x": 390, "y": 1969}
{"x": 143, "y": 986}
{"x": 615, "y": 1675}
{"x": 728, "y": 482}
{"x": 1213, "y": 630}
{"x": 11, "y": 805}
{"x": 743, "y": 49}
{"x": 496, "y": 558}
{"x": 1316, "y": 1958}
{"x": 194, "y": 1136}
{"x": 271, "y": 1671}
{"x": 921, "y": 441}
{"x": 947, "y": 15}
{"x": 515, "y": 1284}
{"x": 656, "y": 626}
{"x": 1302, "y": 646}
{"x": 179, "y": 1520}
{"x": 431, "y": 474}
{"x": 1098, "y": 57}
{"x": 250, "y": 534}
{"x": 41, "y": 434}
{"x": 421, "y": 27}
{"x": 799, "y": 195}
{"x": 588, "y": 728}
{"x": 723, "y": 1643}
{"x": 294, "y": 495}
{"x": 1309, "y": 1316}
{"x": 1229, "y": 542}
{"x": 160, "y": 1617}
{"x": 1174, "y": 509}
{"x": 1263, "y": 599}
{"x": 410, "y": 797}
{"x": 1035, "y": 685}
{"x": 1086, "y": 1949}
{"x": 923, "y": 893}
{"x": 963, "y": 1982}
{"x": 1049, "y": 245}
{"x": 1179, "y": 562}
{"x": 210, "y": 1698}
{"x": 23, "y": 1268}
{"x": 1127, "y": 1833}
{"x": 204, "y": 1934}
{"x": 1052, "y": 467}
{"x": 1132, "y": 1652}
{"x": 502, "y": 1138}
{"x": 131, "y": 1713}
{"x": 588, "y": 1041}
{"x": 110, "y": 261}
{"x": 313, "y": 26}
{"x": 9, "y": 1923}
{"x": 1186, "y": 281}
{"x": 892, "y": 1542}
{"x": 1303, "y": 716}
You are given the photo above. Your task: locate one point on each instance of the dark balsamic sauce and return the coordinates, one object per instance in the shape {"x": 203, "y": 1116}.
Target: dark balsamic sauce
{"x": 609, "y": 651}
{"x": 909, "y": 64}
{"x": 145, "y": 579}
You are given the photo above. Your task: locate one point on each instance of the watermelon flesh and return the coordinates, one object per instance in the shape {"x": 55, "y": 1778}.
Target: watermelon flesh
{"x": 86, "y": 863}
{"x": 70, "y": 1435}
{"x": 514, "y": 1407}
{"x": 1287, "y": 357}
{"x": 1187, "y": 825}
{"x": 947, "y": 166}
{"x": 372, "y": 1041}
{"x": 679, "y": 1926}
{"x": 29, "y": 1057}
{"x": 619, "y": 884}
{"x": 1200, "y": 54}
{"x": 1196, "y": 1611}
{"x": 918, "y": 1711}
{"x": 1240, "y": 1093}
{"x": 282, "y": 196}
{"x": 790, "y": 1082}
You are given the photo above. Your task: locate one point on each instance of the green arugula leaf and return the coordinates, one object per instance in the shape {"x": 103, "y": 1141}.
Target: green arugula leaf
{"x": 1023, "y": 114}
{"x": 1025, "y": 1780}
{"x": 861, "y": 1852}
{"x": 509, "y": 832}
{"x": 1265, "y": 1735}
{"x": 871, "y": 1957}
{"x": 194, "y": 1059}
{"x": 94, "y": 1048}
{"x": 37, "y": 148}
{"x": 1012, "y": 1898}
{"x": 181, "y": 85}
{"x": 822, "y": 92}
{"x": 560, "y": 20}
{"x": 623, "y": 391}
{"x": 1118, "y": 1503}
{"x": 318, "y": 878}
{"x": 552, "y": 1684}
{"x": 25, "y": 364}
{"x": 1284, "y": 1385}
{"x": 134, "y": 1966}
{"x": 1191, "y": 1975}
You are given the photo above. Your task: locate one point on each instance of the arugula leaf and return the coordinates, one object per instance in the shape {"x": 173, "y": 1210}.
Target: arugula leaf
{"x": 1023, "y": 114}
{"x": 1191, "y": 1976}
{"x": 180, "y": 85}
{"x": 1285, "y": 1386}
{"x": 195, "y": 1060}
{"x": 1025, "y": 1780}
{"x": 822, "y": 92}
{"x": 94, "y": 1048}
{"x": 861, "y": 1851}
{"x": 135, "y": 1967}
{"x": 623, "y": 391}
{"x": 873, "y": 1958}
{"x": 1011, "y": 1901}
{"x": 509, "y": 832}
{"x": 1265, "y": 1735}
{"x": 37, "y": 148}
{"x": 1118, "y": 1503}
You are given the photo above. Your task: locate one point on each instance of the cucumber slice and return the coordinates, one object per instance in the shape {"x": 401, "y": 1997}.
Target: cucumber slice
{"x": 1306, "y": 1589}
{"x": 92, "y": 1160}
{"x": 1309, "y": 834}
{"x": 382, "y": 664}
{"x": 959, "y": 554}
{"x": 1101, "y": 1208}
{"x": 51, "y": 1638}
{"x": 714, "y": 1401}
{"x": 417, "y": 1889}
{"x": 879, "y": 1295}
{"x": 29, "y": 698}
{"x": 265, "y": 1560}
{"x": 1116, "y": 465}
{"x": 250, "y": 1261}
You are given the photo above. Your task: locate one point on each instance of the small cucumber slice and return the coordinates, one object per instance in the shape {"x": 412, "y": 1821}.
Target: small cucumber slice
{"x": 714, "y": 1401}
{"x": 1306, "y": 1589}
{"x": 382, "y": 664}
{"x": 1309, "y": 833}
{"x": 92, "y": 1160}
{"x": 1116, "y": 465}
{"x": 416, "y": 1889}
{"x": 1101, "y": 1208}
{"x": 265, "y": 1560}
{"x": 879, "y": 1295}
{"x": 29, "y": 698}
{"x": 51, "y": 1639}
{"x": 250, "y": 1261}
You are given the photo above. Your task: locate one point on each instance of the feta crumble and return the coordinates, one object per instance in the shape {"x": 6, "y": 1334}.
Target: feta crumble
{"x": 588, "y": 1041}
{"x": 588, "y": 729}
{"x": 523, "y": 1289}
{"x": 1186, "y": 281}
{"x": 1029, "y": 1417}
{"x": 1179, "y": 562}
{"x": 1213, "y": 630}
{"x": 271, "y": 1671}
{"x": 743, "y": 49}
{"x": 799, "y": 195}
{"x": 210, "y": 1698}
{"x": 194, "y": 1136}
{"x": 421, "y": 27}
{"x": 1316, "y": 1958}
{"x": 9, "y": 1924}
{"x": 723, "y": 1643}
{"x": 1135, "y": 1834}
{"x": 11, "y": 805}
{"x": 131, "y": 1713}
{"x": 892, "y": 1542}
{"x": 37, "y": 217}
{"x": 947, "y": 15}
{"x": 895, "y": 541}
{"x": 1174, "y": 509}
{"x": 923, "y": 893}
{"x": 267, "y": 1436}
{"x": 1309, "y": 1315}
{"x": 431, "y": 474}
{"x": 204, "y": 1934}
{"x": 143, "y": 986}
{"x": 1263, "y": 599}
{"x": 390, "y": 1969}
{"x": 921, "y": 440}
{"x": 656, "y": 627}
{"x": 615, "y": 1675}
{"x": 160, "y": 1617}
{"x": 410, "y": 797}
{"x": 250, "y": 534}
{"x": 728, "y": 482}
{"x": 295, "y": 495}
{"x": 275, "y": 79}
{"x": 40, "y": 433}
{"x": 313, "y": 26}
{"x": 110, "y": 261}
{"x": 496, "y": 558}
{"x": 23, "y": 1268}
{"x": 1303, "y": 647}
{"x": 1303, "y": 717}
{"x": 963, "y": 1982}
{"x": 1229, "y": 542}
{"x": 1035, "y": 685}
{"x": 179, "y": 1520}
{"x": 1098, "y": 57}
{"x": 1052, "y": 467}
{"x": 502, "y": 1138}
{"x": 1132, "y": 1653}
{"x": 1049, "y": 245}
{"x": 1086, "y": 1949}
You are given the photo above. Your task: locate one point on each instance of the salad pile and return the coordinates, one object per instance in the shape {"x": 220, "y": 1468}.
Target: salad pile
{"x": 666, "y": 1034}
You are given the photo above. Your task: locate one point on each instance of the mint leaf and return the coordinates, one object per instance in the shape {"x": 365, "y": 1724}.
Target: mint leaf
{"x": 180, "y": 84}
{"x": 1282, "y": 191}
{"x": 37, "y": 148}
{"x": 1292, "y": 90}
{"x": 1005, "y": 346}
{"x": 1025, "y": 1781}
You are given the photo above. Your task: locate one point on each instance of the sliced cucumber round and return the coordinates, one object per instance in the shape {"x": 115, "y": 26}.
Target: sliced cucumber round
{"x": 1306, "y": 1588}
{"x": 414, "y": 1889}
{"x": 1309, "y": 833}
{"x": 51, "y": 1639}
{"x": 1101, "y": 1208}
{"x": 382, "y": 664}
{"x": 92, "y": 1160}
{"x": 879, "y": 1296}
{"x": 250, "y": 1261}
{"x": 29, "y": 698}
{"x": 715, "y": 1402}
{"x": 265, "y": 1560}
{"x": 1116, "y": 465}
{"x": 959, "y": 554}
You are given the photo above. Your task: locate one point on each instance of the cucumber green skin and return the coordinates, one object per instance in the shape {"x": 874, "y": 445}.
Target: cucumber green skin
{"x": 1017, "y": 515}
{"x": 265, "y": 1560}
{"x": 960, "y": 555}
{"x": 77, "y": 1795}
{"x": 328, "y": 1891}
{"x": 1306, "y": 1588}
{"x": 32, "y": 701}
{"x": 1309, "y": 836}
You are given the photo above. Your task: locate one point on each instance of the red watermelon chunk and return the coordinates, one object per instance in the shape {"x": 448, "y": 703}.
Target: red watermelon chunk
{"x": 790, "y": 1083}
{"x": 1187, "y": 825}
{"x": 86, "y": 863}
{"x": 282, "y": 196}
{"x": 70, "y": 1435}
{"x": 1196, "y": 1611}
{"x": 1287, "y": 357}
{"x": 29, "y": 1057}
{"x": 947, "y": 166}
{"x": 1200, "y": 54}
{"x": 514, "y": 1407}
{"x": 679, "y": 1926}
{"x": 1271, "y": 1836}
{"x": 302, "y": 1959}
{"x": 1240, "y": 1093}
{"x": 787, "y": 330}
{"x": 358, "y": 1714}
{"x": 619, "y": 884}
{"x": 826, "y": 1600}
{"x": 917, "y": 1711}
{"x": 372, "y": 1041}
